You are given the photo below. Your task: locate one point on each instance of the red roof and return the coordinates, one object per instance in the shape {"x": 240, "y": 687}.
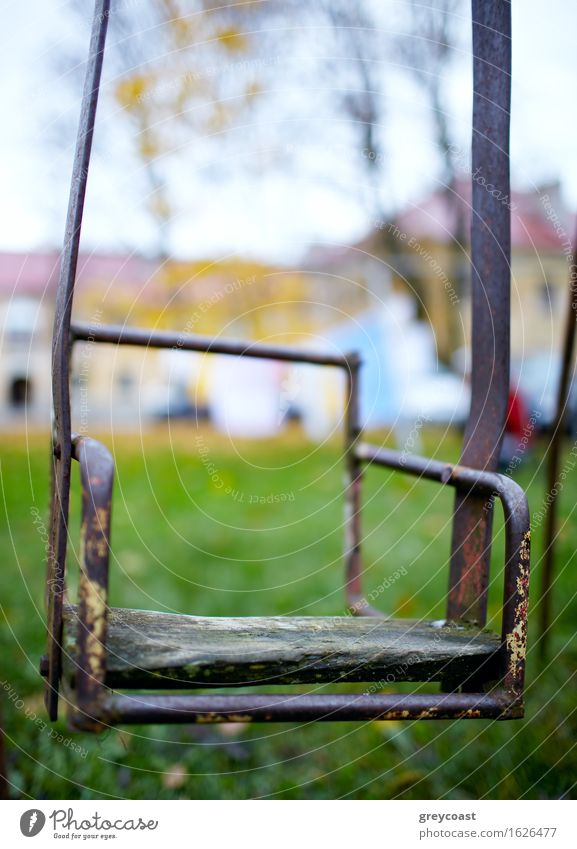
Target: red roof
{"x": 539, "y": 219}
{"x": 37, "y": 273}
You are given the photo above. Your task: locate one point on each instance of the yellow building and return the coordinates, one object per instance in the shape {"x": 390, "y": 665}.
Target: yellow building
{"x": 233, "y": 298}
{"x": 428, "y": 252}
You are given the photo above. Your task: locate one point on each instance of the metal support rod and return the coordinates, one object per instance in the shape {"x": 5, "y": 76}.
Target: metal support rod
{"x": 96, "y": 476}
{"x": 144, "y": 338}
{"x": 356, "y": 603}
{"x": 554, "y": 452}
{"x": 61, "y": 354}
{"x": 286, "y": 707}
{"x": 490, "y": 267}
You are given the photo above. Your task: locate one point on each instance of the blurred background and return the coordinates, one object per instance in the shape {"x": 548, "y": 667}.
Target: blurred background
{"x": 288, "y": 171}
{"x": 299, "y": 173}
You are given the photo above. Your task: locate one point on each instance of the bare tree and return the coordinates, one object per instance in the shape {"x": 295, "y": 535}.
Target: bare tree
{"x": 188, "y": 70}
{"x": 427, "y": 50}
{"x": 181, "y": 70}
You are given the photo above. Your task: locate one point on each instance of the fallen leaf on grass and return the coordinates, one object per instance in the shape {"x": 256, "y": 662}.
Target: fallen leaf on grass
{"x": 174, "y": 777}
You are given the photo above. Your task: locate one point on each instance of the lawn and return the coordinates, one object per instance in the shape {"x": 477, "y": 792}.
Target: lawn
{"x": 203, "y": 526}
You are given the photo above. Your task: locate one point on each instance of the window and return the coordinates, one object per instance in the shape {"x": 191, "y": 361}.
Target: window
{"x": 20, "y": 392}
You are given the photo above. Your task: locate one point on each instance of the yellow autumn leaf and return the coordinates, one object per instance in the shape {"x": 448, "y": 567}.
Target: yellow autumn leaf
{"x": 132, "y": 91}
{"x": 148, "y": 148}
{"x": 232, "y": 40}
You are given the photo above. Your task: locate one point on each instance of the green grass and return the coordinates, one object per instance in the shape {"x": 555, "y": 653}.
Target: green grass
{"x": 191, "y": 535}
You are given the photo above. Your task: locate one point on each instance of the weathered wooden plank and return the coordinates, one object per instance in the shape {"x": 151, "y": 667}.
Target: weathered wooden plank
{"x": 167, "y": 651}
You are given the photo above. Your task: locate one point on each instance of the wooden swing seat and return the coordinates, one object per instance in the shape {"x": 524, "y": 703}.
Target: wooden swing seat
{"x": 149, "y": 650}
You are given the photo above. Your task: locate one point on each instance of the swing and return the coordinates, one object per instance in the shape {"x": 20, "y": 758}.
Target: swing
{"x": 101, "y": 656}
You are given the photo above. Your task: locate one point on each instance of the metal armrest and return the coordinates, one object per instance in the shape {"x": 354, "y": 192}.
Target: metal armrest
{"x": 147, "y": 338}
{"x": 96, "y": 475}
{"x": 517, "y": 541}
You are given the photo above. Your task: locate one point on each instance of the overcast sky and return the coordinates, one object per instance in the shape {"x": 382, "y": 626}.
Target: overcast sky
{"x": 279, "y": 216}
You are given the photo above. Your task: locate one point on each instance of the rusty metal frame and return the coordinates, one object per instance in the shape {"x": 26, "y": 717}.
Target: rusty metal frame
{"x": 287, "y": 707}
{"x": 61, "y": 343}
{"x": 553, "y": 456}
{"x": 475, "y": 481}
{"x": 95, "y": 707}
{"x": 350, "y": 363}
{"x": 491, "y": 272}
{"x": 486, "y": 486}
{"x": 96, "y": 476}
{"x": 97, "y": 471}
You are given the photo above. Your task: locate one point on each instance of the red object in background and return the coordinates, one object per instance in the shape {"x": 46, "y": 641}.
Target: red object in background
{"x": 517, "y": 417}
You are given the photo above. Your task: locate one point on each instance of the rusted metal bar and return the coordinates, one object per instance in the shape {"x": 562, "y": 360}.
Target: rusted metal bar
{"x": 144, "y": 338}
{"x": 123, "y": 709}
{"x": 517, "y": 541}
{"x": 554, "y": 452}
{"x": 461, "y": 477}
{"x": 410, "y": 464}
{"x": 97, "y": 476}
{"x": 516, "y": 590}
{"x": 61, "y": 354}
{"x": 356, "y": 603}
{"x": 490, "y": 267}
